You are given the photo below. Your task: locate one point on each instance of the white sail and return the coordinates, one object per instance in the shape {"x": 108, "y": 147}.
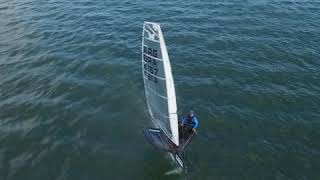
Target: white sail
{"x": 158, "y": 81}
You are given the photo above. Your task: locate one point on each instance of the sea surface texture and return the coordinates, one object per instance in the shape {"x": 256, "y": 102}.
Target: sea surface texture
{"x": 72, "y": 102}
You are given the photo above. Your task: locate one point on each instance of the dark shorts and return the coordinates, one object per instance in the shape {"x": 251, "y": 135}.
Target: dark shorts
{"x": 185, "y": 131}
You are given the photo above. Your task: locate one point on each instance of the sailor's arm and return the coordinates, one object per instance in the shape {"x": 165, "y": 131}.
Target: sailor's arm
{"x": 196, "y": 123}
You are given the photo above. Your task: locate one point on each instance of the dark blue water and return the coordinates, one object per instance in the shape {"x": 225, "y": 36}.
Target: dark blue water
{"x": 72, "y": 103}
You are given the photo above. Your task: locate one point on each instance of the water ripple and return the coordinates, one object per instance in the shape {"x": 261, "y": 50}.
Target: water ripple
{"x": 71, "y": 95}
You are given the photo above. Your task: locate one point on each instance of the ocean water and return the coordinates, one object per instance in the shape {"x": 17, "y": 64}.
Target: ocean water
{"x": 72, "y": 102}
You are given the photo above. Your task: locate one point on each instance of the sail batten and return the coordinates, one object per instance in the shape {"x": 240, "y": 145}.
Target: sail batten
{"x": 157, "y": 94}
{"x": 152, "y": 40}
{"x": 158, "y": 77}
{"x": 152, "y": 57}
{"x": 158, "y": 81}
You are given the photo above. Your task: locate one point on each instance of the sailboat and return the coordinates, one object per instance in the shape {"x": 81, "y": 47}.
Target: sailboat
{"x": 167, "y": 135}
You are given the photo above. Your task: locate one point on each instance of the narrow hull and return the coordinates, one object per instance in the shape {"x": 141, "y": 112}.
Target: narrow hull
{"x": 158, "y": 139}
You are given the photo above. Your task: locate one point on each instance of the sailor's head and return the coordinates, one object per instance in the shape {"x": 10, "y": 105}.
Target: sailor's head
{"x": 191, "y": 113}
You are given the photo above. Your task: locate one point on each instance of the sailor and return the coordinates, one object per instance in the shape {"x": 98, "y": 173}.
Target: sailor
{"x": 190, "y": 122}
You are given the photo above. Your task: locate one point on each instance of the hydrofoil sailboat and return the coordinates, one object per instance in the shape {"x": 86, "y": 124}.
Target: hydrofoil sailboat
{"x": 167, "y": 135}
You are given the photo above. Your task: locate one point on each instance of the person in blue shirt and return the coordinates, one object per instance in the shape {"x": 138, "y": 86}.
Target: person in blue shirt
{"x": 190, "y": 122}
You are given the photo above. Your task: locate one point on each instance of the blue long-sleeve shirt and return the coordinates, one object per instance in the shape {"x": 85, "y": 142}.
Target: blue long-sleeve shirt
{"x": 194, "y": 120}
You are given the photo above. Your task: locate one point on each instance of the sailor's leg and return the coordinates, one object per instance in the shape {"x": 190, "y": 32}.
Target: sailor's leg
{"x": 181, "y": 132}
{"x": 189, "y": 132}
{"x": 184, "y": 133}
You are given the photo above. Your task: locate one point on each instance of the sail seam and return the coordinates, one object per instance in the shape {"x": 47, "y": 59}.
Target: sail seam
{"x": 164, "y": 97}
{"x": 161, "y": 113}
{"x": 162, "y": 78}
{"x": 152, "y": 40}
{"x": 152, "y": 57}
